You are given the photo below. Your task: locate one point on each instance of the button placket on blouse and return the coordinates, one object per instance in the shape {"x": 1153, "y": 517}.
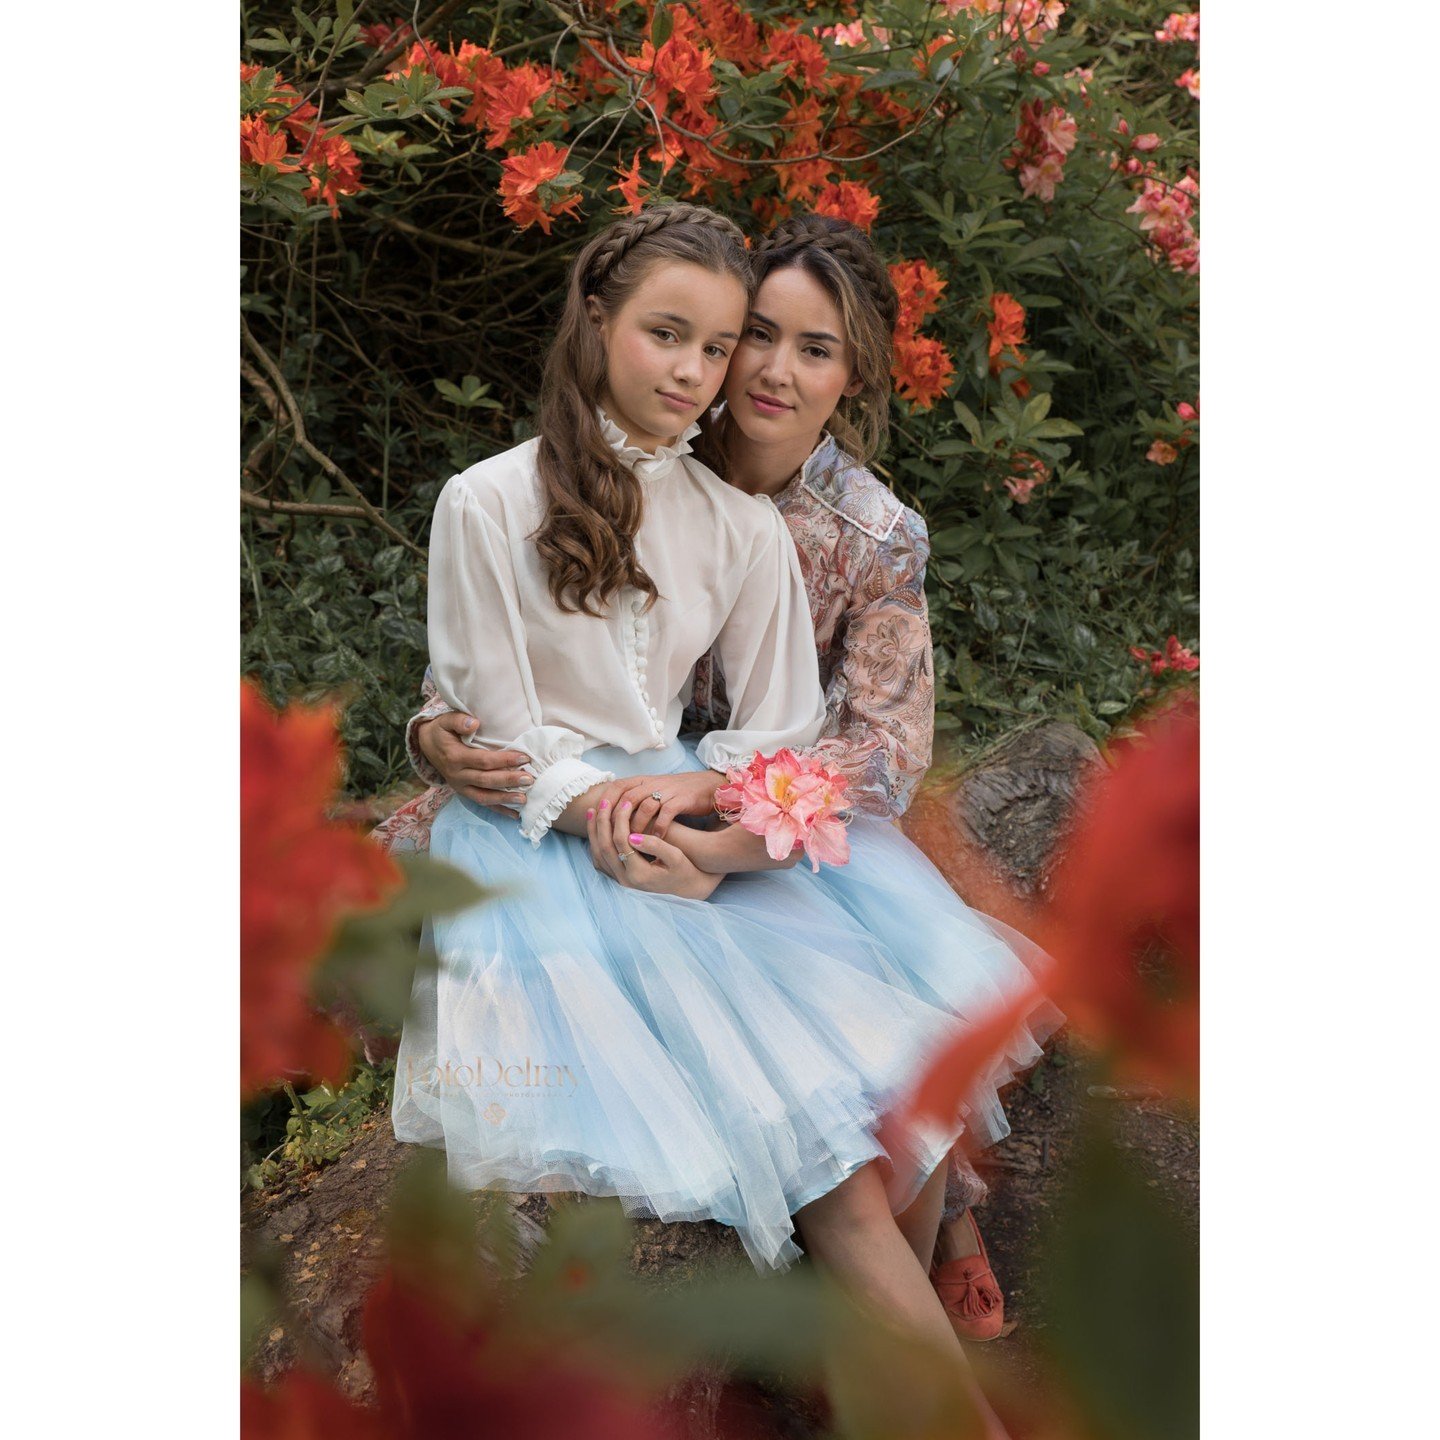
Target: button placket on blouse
{"x": 637, "y": 646}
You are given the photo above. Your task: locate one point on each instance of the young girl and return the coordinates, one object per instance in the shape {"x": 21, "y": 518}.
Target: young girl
{"x": 807, "y": 398}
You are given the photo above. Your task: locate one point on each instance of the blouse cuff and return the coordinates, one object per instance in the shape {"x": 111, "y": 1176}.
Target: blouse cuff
{"x": 418, "y": 763}
{"x": 716, "y": 755}
{"x": 554, "y": 788}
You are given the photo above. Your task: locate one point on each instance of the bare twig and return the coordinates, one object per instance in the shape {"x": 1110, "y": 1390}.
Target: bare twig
{"x": 300, "y": 507}
{"x": 279, "y": 396}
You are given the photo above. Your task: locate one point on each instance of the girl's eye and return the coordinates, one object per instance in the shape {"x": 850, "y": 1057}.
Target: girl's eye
{"x": 717, "y": 352}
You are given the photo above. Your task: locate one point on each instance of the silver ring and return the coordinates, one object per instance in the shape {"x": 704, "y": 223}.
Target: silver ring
{"x": 624, "y": 855}
{"x": 656, "y": 795}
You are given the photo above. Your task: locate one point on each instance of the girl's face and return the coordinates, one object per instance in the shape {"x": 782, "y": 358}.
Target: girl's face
{"x": 666, "y": 349}
{"x": 794, "y": 362}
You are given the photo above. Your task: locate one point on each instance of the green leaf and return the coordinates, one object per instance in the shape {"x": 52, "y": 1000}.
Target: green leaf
{"x": 662, "y": 24}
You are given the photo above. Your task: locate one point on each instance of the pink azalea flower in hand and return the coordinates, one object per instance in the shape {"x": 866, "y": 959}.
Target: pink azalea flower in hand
{"x": 790, "y": 800}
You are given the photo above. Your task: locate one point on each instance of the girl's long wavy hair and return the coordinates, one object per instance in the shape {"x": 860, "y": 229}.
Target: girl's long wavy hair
{"x": 841, "y": 259}
{"x": 593, "y": 502}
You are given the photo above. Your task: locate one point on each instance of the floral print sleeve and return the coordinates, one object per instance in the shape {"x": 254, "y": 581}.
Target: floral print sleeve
{"x": 880, "y": 701}
{"x": 432, "y": 706}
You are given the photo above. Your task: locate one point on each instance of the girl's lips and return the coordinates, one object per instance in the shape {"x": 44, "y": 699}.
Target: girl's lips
{"x": 676, "y": 402}
{"x": 767, "y": 406}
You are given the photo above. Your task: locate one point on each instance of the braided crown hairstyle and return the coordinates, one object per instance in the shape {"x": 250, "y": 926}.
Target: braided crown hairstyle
{"x": 593, "y": 502}
{"x": 841, "y": 259}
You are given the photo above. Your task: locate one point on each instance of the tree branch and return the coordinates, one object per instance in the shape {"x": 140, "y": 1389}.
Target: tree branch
{"x": 297, "y": 424}
{"x": 300, "y": 507}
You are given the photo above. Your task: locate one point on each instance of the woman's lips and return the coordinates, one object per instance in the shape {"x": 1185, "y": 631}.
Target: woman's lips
{"x": 676, "y": 402}
{"x": 767, "y": 405}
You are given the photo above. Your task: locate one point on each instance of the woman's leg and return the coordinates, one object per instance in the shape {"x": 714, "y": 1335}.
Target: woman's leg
{"x": 852, "y": 1233}
{"x": 920, "y": 1223}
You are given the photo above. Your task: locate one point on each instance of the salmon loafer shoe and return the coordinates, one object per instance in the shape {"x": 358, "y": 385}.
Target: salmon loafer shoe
{"x": 968, "y": 1290}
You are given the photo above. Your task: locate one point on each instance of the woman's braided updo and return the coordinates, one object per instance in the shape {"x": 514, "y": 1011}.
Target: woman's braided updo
{"x": 593, "y": 502}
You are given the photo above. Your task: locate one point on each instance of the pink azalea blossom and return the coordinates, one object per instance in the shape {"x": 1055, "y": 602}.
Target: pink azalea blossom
{"x": 1173, "y": 657}
{"x": 790, "y": 800}
{"x": 1179, "y": 26}
{"x": 1162, "y": 452}
{"x": 1148, "y": 141}
{"x": 1186, "y": 411}
{"x": 1190, "y": 80}
{"x": 1042, "y": 178}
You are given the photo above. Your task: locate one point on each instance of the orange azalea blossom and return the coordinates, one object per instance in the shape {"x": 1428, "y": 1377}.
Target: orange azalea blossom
{"x": 923, "y": 369}
{"x": 300, "y": 873}
{"x": 728, "y": 30}
{"x": 919, "y": 287}
{"x": 681, "y": 72}
{"x": 802, "y": 55}
{"x": 521, "y": 180}
{"x": 511, "y": 99}
{"x": 629, "y": 187}
{"x": 334, "y": 170}
{"x": 1006, "y": 330}
{"x": 849, "y": 201}
{"x": 260, "y": 145}
{"x": 1162, "y": 452}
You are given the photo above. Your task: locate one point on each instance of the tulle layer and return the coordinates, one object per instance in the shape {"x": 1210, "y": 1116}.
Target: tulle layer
{"x": 726, "y": 1060}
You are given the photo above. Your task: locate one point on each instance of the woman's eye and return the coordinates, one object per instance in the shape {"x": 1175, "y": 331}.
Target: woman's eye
{"x": 664, "y": 334}
{"x": 756, "y": 333}
{"x": 816, "y": 352}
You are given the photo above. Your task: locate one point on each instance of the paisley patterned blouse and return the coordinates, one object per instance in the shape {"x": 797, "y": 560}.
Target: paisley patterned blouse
{"x": 862, "y": 554}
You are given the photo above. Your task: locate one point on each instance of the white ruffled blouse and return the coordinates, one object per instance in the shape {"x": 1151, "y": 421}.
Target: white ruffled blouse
{"x": 556, "y": 684}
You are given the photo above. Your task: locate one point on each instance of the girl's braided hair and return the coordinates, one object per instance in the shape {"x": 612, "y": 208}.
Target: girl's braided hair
{"x": 593, "y": 502}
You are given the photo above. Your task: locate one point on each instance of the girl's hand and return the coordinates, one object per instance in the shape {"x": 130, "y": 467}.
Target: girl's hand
{"x": 643, "y": 862}
{"x": 691, "y": 792}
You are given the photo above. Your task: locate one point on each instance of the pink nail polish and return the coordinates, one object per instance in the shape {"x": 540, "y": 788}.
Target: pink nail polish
{"x": 637, "y": 839}
{"x": 604, "y": 803}
{"x": 626, "y": 805}
{"x": 589, "y": 814}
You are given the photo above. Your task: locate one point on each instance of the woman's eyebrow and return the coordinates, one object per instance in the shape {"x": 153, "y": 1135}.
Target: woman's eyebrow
{"x": 755, "y": 315}
{"x": 680, "y": 322}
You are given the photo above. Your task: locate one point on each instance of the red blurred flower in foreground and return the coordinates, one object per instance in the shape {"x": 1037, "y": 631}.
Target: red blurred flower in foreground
{"x": 299, "y": 873}
{"x": 1123, "y": 929}
{"x": 1125, "y": 919}
{"x": 527, "y": 186}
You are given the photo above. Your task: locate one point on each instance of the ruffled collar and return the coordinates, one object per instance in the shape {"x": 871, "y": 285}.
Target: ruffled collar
{"x": 647, "y": 466}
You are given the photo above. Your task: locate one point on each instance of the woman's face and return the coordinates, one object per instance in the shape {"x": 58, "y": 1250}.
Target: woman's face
{"x": 666, "y": 349}
{"x": 793, "y": 363}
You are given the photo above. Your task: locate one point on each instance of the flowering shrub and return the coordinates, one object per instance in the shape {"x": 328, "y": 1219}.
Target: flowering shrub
{"x": 1028, "y": 168}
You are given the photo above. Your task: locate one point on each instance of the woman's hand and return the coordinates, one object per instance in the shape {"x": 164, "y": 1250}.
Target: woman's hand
{"x": 642, "y": 862}
{"x": 488, "y": 777}
{"x": 690, "y": 792}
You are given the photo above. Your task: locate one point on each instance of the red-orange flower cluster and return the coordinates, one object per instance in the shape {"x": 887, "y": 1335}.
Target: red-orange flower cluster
{"x": 527, "y": 185}
{"x": 1006, "y": 329}
{"x": 283, "y": 116}
{"x": 850, "y": 201}
{"x": 299, "y": 874}
{"x": 1173, "y": 657}
{"x": 923, "y": 367}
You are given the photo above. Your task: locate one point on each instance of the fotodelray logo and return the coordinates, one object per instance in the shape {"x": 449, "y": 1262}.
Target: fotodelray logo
{"x": 524, "y": 1079}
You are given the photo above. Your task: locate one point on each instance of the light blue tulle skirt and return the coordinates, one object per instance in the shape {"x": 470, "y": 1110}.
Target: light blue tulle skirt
{"x": 727, "y": 1059}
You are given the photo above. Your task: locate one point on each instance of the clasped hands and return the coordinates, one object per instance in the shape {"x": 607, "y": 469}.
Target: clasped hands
{"x": 660, "y": 862}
